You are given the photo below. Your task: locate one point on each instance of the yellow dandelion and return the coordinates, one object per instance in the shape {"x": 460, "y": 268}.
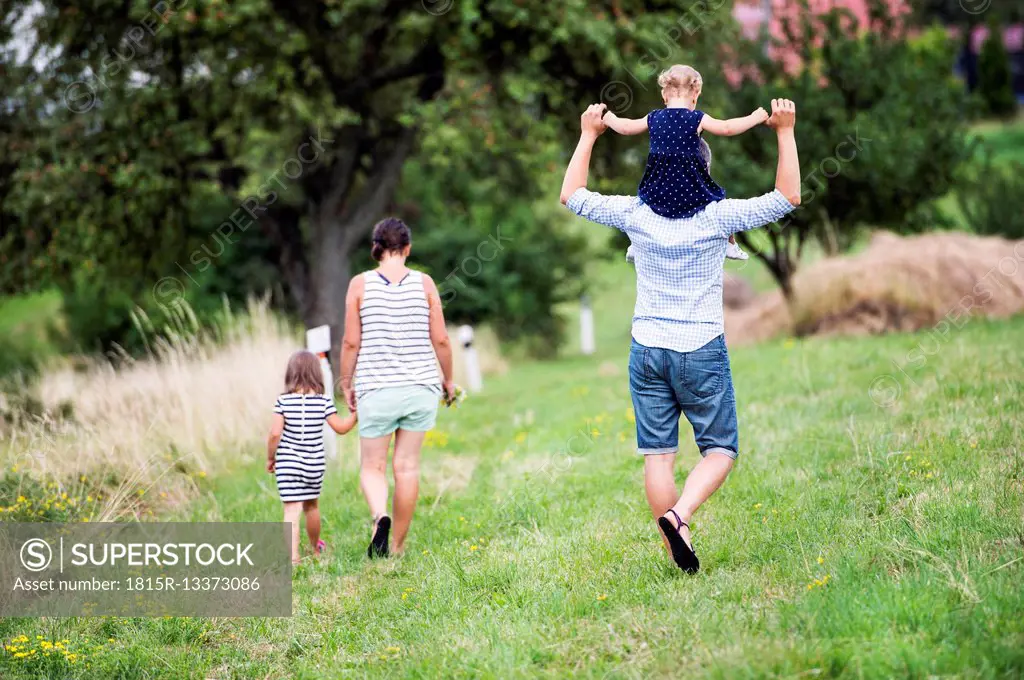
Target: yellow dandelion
{"x": 602, "y": 597}
{"x": 757, "y": 506}
{"x": 474, "y": 548}
{"x": 821, "y": 560}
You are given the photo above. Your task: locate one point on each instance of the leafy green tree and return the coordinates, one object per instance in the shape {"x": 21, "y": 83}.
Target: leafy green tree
{"x": 302, "y": 114}
{"x": 964, "y": 12}
{"x": 880, "y": 130}
{"x": 995, "y": 81}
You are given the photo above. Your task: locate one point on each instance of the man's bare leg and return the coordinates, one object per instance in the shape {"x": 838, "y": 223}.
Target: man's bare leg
{"x": 660, "y": 484}
{"x": 705, "y": 479}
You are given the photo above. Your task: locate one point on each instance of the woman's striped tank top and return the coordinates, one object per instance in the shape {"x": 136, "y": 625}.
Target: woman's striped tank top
{"x": 395, "y": 350}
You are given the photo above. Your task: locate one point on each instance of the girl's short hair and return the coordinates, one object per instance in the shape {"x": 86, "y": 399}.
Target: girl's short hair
{"x": 680, "y": 79}
{"x": 304, "y": 374}
{"x": 390, "y": 235}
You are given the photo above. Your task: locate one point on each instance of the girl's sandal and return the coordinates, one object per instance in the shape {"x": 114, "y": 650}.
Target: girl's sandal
{"x": 379, "y": 545}
{"x": 682, "y": 554}
{"x": 320, "y": 548}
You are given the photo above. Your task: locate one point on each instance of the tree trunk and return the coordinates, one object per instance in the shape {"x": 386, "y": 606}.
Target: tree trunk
{"x": 338, "y": 222}
{"x": 782, "y": 269}
{"x": 330, "y": 263}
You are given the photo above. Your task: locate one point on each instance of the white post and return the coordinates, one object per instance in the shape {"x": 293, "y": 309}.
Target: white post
{"x": 586, "y": 326}
{"x": 472, "y": 362}
{"x": 318, "y": 341}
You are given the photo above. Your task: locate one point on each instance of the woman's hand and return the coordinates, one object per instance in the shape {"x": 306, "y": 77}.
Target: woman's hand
{"x": 450, "y": 391}
{"x": 270, "y": 464}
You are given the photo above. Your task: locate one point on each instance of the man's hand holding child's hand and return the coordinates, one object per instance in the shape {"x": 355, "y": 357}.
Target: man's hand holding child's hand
{"x": 783, "y": 114}
{"x": 591, "y": 122}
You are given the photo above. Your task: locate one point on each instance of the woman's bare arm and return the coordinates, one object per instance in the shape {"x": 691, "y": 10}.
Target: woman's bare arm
{"x": 353, "y": 338}
{"x": 439, "y": 333}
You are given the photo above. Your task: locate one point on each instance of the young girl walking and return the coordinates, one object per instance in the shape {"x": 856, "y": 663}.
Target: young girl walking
{"x": 676, "y": 182}
{"x": 295, "y": 447}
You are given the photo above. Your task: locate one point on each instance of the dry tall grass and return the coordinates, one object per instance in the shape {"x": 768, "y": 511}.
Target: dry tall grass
{"x": 896, "y": 284}
{"x": 158, "y": 425}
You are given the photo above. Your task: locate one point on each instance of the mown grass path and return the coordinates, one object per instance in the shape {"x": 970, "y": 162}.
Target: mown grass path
{"x": 852, "y": 540}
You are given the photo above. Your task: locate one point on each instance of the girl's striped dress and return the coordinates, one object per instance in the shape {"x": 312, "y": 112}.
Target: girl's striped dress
{"x": 396, "y": 350}
{"x": 300, "y": 455}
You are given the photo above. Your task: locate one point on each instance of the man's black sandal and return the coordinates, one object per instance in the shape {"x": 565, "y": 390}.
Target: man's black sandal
{"x": 683, "y": 556}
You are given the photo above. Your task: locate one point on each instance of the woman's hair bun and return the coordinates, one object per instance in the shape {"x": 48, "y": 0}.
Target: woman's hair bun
{"x": 390, "y": 235}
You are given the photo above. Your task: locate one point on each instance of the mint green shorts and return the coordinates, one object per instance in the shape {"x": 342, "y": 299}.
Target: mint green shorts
{"x": 382, "y": 411}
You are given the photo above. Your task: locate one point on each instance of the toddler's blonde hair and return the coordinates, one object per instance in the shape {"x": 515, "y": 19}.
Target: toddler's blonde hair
{"x": 679, "y": 80}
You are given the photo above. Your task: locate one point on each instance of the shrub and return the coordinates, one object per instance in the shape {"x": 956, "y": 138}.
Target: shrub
{"x": 992, "y": 199}
{"x": 995, "y": 82}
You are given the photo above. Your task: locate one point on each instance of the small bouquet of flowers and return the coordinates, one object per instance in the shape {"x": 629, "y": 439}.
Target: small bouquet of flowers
{"x": 453, "y": 400}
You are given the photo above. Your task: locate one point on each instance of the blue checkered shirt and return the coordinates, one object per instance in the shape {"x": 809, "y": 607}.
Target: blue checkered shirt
{"x": 679, "y": 262}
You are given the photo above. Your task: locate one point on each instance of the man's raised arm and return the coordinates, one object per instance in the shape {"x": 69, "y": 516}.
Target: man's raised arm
{"x": 591, "y": 127}
{"x": 736, "y": 215}
{"x": 787, "y": 174}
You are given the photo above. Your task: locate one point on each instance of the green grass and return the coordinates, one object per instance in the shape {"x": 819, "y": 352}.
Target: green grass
{"x": 1004, "y": 138}
{"x": 29, "y": 325}
{"x": 914, "y": 512}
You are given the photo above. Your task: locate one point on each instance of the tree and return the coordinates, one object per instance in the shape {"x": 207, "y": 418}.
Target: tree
{"x": 995, "y": 81}
{"x": 303, "y": 113}
{"x": 880, "y": 130}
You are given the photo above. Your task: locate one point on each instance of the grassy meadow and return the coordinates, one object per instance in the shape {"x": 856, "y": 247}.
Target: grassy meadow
{"x": 852, "y": 539}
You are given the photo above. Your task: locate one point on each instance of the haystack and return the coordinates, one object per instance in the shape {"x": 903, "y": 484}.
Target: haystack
{"x": 896, "y": 284}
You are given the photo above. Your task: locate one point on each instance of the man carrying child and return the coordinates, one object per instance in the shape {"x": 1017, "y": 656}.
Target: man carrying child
{"x": 678, "y": 363}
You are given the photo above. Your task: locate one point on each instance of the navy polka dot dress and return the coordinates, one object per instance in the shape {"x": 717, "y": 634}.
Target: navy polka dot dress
{"x": 676, "y": 182}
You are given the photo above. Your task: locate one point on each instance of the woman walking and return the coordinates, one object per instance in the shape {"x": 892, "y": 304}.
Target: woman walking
{"x": 395, "y": 337}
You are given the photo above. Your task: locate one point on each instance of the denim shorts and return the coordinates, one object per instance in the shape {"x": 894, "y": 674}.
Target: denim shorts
{"x": 384, "y": 410}
{"x": 665, "y": 384}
